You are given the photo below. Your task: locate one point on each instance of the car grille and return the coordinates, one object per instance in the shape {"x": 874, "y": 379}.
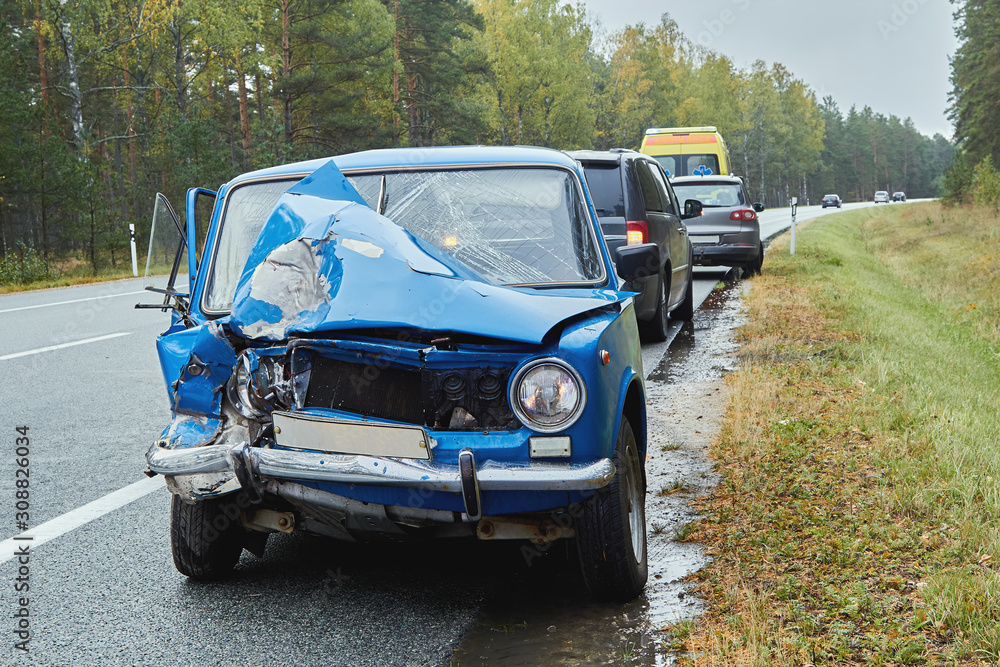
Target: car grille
{"x": 459, "y": 399}
{"x": 365, "y": 389}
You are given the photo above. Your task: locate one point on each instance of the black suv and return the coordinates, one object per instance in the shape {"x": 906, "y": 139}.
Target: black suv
{"x": 636, "y": 204}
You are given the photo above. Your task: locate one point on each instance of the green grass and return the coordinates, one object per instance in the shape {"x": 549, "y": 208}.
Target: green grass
{"x": 857, "y": 521}
{"x": 67, "y": 271}
{"x": 673, "y": 486}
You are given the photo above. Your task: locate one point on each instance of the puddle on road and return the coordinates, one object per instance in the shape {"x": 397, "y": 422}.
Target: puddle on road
{"x": 540, "y": 617}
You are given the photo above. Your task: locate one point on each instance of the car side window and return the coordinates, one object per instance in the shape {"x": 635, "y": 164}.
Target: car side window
{"x": 650, "y": 192}
{"x": 669, "y": 202}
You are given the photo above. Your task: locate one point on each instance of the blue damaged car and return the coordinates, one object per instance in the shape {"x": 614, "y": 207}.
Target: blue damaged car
{"x": 404, "y": 342}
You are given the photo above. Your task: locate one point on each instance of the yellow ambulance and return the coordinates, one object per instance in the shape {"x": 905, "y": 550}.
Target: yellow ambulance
{"x": 688, "y": 151}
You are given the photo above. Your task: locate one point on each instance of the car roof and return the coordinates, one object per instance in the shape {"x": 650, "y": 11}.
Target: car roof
{"x": 435, "y": 156}
{"x": 613, "y": 156}
{"x": 683, "y": 180}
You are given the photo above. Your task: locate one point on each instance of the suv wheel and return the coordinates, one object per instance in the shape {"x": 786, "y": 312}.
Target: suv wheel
{"x": 611, "y": 531}
{"x": 685, "y": 311}
{"x": 753, "y": 267}
{"x": 655, "y": 329}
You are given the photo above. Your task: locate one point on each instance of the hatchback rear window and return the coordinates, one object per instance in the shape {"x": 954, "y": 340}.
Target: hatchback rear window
{"x": 711, "y": 193}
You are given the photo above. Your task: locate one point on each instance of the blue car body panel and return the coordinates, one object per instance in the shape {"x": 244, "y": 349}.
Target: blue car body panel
{"x": 370, "y": 274}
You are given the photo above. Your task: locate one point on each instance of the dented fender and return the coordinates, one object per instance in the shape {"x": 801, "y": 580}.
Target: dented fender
{"x": 196, "y": 365}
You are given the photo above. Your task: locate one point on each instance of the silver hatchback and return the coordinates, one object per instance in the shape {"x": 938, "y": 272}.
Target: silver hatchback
{"x": 728, "y": 231}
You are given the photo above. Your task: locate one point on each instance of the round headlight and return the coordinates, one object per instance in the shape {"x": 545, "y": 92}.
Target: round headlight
{"x": 255, "y": 385}
{"x": 548, "y": 395}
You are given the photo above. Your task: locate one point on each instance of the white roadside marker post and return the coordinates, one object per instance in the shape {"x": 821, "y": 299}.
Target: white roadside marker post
{"x": 795, "y": 203}
{"x": 131, "y": 233}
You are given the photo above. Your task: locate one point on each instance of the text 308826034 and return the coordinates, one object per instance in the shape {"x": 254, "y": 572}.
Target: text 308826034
{"x": 22, "y": 505}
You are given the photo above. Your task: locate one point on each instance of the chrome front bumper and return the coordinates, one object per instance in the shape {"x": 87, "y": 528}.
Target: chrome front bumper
{"x": 263, "y": 464}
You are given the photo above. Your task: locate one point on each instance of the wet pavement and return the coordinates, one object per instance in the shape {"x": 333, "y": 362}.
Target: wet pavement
{"x": 107, "y": 593}
{"x": 540, "y": 617}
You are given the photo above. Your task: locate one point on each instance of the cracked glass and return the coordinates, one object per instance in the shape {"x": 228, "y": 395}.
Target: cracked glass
{"x": 247, "y": 209}
{"x": 512, "y": 226}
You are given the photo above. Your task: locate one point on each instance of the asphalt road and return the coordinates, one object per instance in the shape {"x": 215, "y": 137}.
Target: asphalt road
{"x": 80, "y": 371}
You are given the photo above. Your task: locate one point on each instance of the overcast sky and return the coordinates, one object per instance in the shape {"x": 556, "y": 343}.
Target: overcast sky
{"x": 891, "y": 55}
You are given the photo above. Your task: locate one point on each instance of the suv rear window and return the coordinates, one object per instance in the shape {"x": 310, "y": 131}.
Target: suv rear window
{"x": 711, "y": 193}
{"x": 605, "y": 184}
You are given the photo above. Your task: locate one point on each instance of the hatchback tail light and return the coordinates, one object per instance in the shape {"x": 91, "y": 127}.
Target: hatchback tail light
{"x": 637, "y": 232}
{"x": 747, "y": 214}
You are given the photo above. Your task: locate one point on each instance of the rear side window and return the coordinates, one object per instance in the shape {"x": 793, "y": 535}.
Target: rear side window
{"x": 661, "y": 185}
{"x": 650, "y": 193}
{"x": 605, "y": 184}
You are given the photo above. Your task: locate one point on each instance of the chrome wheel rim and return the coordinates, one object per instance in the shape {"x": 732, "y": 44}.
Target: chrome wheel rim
{"x": 636, "y": 506}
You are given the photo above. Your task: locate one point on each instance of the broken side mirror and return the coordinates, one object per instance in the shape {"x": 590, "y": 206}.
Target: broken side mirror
{"x": 637, "y": 261}
{"x": 692, "y": 209}
{"x": 757, "y": 206}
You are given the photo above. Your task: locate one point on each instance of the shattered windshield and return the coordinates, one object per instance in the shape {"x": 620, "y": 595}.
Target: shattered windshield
{"x": 513, "y": 226}
{"x": 247, "y": 209}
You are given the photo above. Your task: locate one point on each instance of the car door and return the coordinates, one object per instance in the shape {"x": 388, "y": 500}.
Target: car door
{"x": 676, "y": 234}
{"x": 657, "y": 220}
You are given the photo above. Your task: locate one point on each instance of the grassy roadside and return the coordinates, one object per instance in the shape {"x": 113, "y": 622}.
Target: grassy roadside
{"x": 67, "y": 281}
{"x": 857, "y": 521}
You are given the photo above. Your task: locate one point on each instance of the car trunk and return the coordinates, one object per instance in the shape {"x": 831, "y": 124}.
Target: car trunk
{"x": 713, "y": 223}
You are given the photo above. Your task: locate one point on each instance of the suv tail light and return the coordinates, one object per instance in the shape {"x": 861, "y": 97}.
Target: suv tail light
{"x": 745, "y": 214}
{"x": 637, "y": 232}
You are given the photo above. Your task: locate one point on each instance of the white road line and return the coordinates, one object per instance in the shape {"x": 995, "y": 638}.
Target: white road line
{"x": 63, "y": 303}
{"x": 59, "y": 347}
{"x": 73, "y": 519}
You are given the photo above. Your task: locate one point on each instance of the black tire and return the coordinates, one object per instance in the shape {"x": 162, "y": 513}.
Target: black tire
{"x": 206, "y": 538}
{"x": 655, "y": 329}
{"x": 754, "y": 267}
{"x": 685, "y": 311}
{"x": 612, "y": 527}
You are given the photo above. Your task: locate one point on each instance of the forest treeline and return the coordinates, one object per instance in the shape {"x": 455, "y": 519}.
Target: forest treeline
{"x": 106, "y": 102}
{"x": 973, "y": 175}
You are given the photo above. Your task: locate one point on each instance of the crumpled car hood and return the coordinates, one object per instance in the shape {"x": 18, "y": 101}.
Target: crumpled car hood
{"x": 326, "y": 261}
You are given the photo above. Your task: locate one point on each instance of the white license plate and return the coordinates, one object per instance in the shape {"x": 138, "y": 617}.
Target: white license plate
{"x": 337, "y": 436}
{"x": 704, "y": 239}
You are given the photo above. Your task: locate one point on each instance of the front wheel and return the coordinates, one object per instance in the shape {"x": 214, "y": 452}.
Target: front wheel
{"x": 205, "y": 536}
{"x": 611, "y": 530}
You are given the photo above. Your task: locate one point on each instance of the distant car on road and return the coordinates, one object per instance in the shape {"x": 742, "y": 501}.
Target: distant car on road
{"x": 898, "y": 196}
{"x": 636, "y": 205}
{"x": 882, "y": 197}
{"x": 831, "y": 200}
{"x": 728, "y": 231}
